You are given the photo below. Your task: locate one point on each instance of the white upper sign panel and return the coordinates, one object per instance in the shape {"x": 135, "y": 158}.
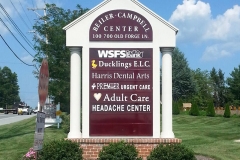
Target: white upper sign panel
{"x": 94, "y": 24}
{"x": 120, "y": 25}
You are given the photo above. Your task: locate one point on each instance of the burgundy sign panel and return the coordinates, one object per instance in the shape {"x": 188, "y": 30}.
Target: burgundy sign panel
{"x": 121, "y": 93}
{"x": 120, "y": 25}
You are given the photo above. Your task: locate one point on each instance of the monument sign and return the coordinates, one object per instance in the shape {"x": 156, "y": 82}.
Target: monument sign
{"x": 118, "y": 45}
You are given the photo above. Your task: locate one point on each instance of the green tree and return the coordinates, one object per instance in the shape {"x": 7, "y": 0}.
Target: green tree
{"x": 221, "y": 88}
{"x": 56, "y": 51}
{"x": 9, "y": 89}
{"x": 194, "y": 111}
{"x": 218, "y": 85}
{"x": 227, "y": 112}
{"x": 203, "y": 87}
{"x": 210, "y": 109}
{"x": 183, "y": 84}
{"x": 215, "y": 81}
{"x": 175, "y": 108}
{"x": 234, "y": 86}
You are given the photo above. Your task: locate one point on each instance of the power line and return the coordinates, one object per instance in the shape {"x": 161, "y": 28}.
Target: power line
{"x": 14, "y": 52}
{"x": 15, "y": 37}
{"x": 18, "y": 30}
{"x": 25, "y": 13}
{"x": 20, "y": 15}
{"x": 7, "y": 20}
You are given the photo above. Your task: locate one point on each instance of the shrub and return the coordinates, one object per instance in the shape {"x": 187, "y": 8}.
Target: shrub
{"x": 171, "y": 152}
{"x": 194, "y": 111}
{"x": 180, "y": 104}
{"x": 227, "y": 112}
{"x": 175, "y": 108}
{"x": 119, "y": 151}
{"x": 210, "y": 110}
{"x": 202, "y": 113}
{"x": 61, "y": 150}
{"x": 65, "y": 123}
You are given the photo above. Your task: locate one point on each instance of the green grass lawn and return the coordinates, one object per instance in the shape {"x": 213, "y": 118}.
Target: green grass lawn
{"x": 17, "y": 138}
{"x": 205, "y": 135}
{"x": 212, "y": 136}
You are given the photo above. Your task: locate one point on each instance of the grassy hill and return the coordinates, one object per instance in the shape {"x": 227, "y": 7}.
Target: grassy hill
{"x": 17, "y": 138}
{"x": 212, "y": 136}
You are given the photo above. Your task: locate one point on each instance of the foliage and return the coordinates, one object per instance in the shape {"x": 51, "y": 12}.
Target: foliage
{"x": 175, "y": 108}
{"x": 61, "y": 150}
{"x": 56, "y": 51}
{"x": 227, "y": 112}
{"x": 234, "y": 86}
{"x": 9, "y": 89}
{"x": 203, "y": 87}
{"x": 65, "y": 122}
{"x": 218, "y": 85}
{"x": 194, "y": 111}
{"x": 221, "y": 88}
{"x": 119, "y": 151}
{"x": 171, "y": 152}
{"x": 180, "y": 103}
{"x": 210, "y": 110}
{"x": 182, "y": 81}
{"x": 30, "y": 155}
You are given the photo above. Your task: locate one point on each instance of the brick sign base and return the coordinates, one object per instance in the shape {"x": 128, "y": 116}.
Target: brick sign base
{"x": 92, "y": 146}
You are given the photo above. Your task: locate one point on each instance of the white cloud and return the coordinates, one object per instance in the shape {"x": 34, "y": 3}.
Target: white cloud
{"x": 214, "y": 52}
{"x": 27, "y": 59}
{"x": 191, "y": 18}
{"x": 224, "y": 26}
{"x": 196, "y": 25}
{"x": 220, "y": 50}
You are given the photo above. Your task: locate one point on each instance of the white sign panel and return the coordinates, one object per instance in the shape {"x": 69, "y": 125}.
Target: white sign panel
{"x": 39, "y": 131}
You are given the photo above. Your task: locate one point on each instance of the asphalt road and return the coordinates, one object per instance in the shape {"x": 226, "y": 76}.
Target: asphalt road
{"x": 11, "y": 118}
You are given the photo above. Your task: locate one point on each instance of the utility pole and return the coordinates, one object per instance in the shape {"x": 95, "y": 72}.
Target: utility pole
{"x": 45, "y": 14}
{"x": 46, "y": 39}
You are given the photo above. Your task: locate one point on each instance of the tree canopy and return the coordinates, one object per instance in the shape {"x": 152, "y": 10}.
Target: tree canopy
{"x": 234, "y": 86}
{"x": 9, "y": 89}
{"x": 55, "y": 50}
{"x": 203, "y": 87}
{"x": 183, "y": 84}
{"x": 218, "y": 86}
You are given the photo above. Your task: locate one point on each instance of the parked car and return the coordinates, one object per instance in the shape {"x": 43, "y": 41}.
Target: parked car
{"x": 24, "y": 110}
{"x": 35, "y": 111}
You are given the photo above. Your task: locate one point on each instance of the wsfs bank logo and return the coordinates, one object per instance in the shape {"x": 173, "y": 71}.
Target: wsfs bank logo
{"x": 120, "y": 54}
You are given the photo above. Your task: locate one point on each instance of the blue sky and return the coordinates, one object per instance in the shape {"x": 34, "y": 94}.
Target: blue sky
{"x": 209, "y": 34}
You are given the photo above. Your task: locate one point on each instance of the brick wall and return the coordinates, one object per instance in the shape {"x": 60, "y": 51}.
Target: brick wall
{"x": 92, "y": 146}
